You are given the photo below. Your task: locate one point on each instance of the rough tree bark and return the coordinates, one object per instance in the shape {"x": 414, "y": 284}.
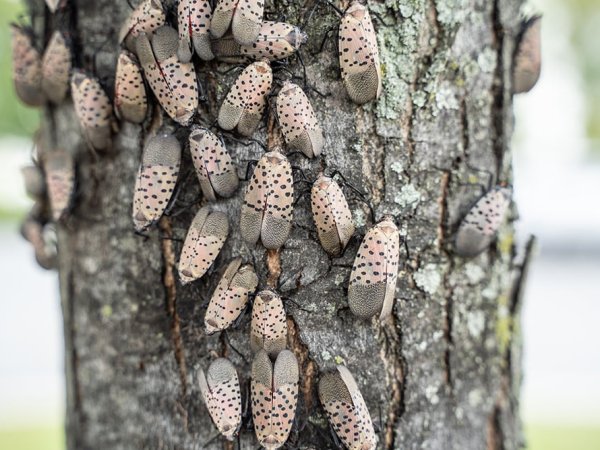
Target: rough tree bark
{"x": 442, "y": 373}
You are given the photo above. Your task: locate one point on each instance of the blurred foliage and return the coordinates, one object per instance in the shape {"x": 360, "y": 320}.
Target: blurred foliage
{"x": 32, "y": 438}
{"x": 585, "y": 21}
{"x": 546, "y": 437}
{"x": 15, "y": 118}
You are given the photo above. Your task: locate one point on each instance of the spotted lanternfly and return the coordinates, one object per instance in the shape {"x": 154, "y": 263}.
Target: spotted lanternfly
{"x": 479, "y": 226}
{"x": 202, "y": 245}
{"x": 268, "y": 329}
{"x": 275, "y": 41}
{"x": 35, "y": 185}
{"x": 56, "y": 68}
{"x": 174, "y": 83}
{"x": 59, "y": 167}
{"x": 332, "y": 215}
{"x": 274, "y": 393}
{"x": 375, "y": 271}
{"x": 244, "y": 16}
{"x": 220, "y": 389}
{"x": 528, "y": 56}
{"x": 156, "y": 180}
{"x": 194, "y": 23}
{"x": 147, "y": 17}
{"x": 131, "y": 102}
{"x": 346, "y": 409}
{"x": 359, "y": 55}
{"x": 231, "y": 296}
{"x": 298, "y": 121}
{"x": 27, "y": 67}
{"x": 33, "y": 231}
{"x": 268, "y": 203}
{"x": 214, "y": 167}
{"x": 246, "y": 101}
{"x": 93, "y": 110}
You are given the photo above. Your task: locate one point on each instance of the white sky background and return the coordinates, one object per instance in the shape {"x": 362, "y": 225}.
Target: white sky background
{"x": 556, "y": 188}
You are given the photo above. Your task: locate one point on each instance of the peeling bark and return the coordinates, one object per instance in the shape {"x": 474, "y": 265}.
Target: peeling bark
{"x": 442, "y": 372}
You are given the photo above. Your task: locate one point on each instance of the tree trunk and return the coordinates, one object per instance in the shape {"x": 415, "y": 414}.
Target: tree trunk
{"x": 443, "y": 372}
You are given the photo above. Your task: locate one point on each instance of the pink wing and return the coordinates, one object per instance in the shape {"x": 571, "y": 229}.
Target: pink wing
{"x": 269, "y": 324}
{"x": 147, "y": 17}
{"x": 56, "y": 68}
{"x": 254, "y": 202}
{"x": 277, "y": 220}
{"x": 131, "y": 102}
{"x": 225, "y": 407}
{"x": 276, "y": 40}
{"x": 153, "y": 190}
{"x": 202, "y": 245}
{"x": 60, "y": 189}
{"x": 183, "y": 87}
{"x": 357, "y": 42}
{"x": 285, "y": 399}
{"x": 262, "y": 401}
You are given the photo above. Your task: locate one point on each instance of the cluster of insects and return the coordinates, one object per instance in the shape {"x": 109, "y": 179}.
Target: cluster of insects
{"x": 157, "y": 56}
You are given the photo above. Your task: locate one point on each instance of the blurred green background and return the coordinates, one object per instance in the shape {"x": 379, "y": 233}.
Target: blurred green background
{"x": 581, "y": 43}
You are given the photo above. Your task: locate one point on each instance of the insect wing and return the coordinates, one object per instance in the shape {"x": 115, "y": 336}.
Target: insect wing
{"x": 56, "y": 68}
{"x": 131, "y": 102}
{"x": 147, "y": 17}
{"x": 480, "y": 225}
{"x": 220, "y": 389}
{"x": 359, "y": 55}
{"x": 375, "y": 271}
{"x": 59, "y": 167}
{"x": 214, "y": 167}
{"x": 93, "y": 109}
{"x": 27, "y": 68}
{"x": 247, "y": 21}
{"x": 274, "y": 392}
{"x": 269, "y": 325}
{"x": 332, "y": 215}
{"x": 204, "y": 241}
{"x": 156, "y": 180}
{"x": 222, "y": 16}
{"x": 298, "y": 121}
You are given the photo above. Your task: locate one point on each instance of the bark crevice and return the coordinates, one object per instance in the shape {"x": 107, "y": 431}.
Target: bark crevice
{"x": 171, "y": 301}
{"x": 395, "y": 366}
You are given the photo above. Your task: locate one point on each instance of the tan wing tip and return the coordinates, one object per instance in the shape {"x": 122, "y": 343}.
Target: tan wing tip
{"x": 286, "y": 369}
{"x": 219, "y": 23}
{"x": 332, "y": 387}
{"x": 245, "y": 31}
{"x": 220, "y": 370}
{"x": 470, "y": 243}
{"x": 366, "y": 301}
{"x": 203, "y": 47}
{"x": 30, "y": 95}
{"x": 165, "y": 42}
{"x": 262, "y": 368}
{"x": 184, "y": 53}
